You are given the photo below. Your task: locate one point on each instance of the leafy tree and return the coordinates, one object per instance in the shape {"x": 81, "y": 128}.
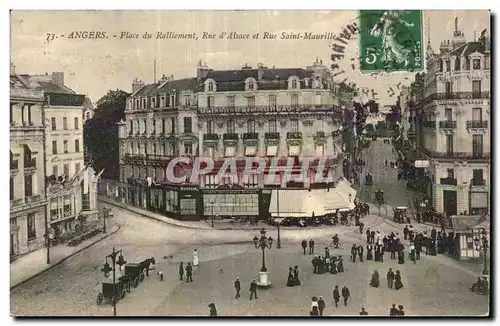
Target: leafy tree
{"x": 101, "y": 133}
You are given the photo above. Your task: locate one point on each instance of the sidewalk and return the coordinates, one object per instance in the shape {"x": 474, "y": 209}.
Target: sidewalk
{"x": 34, "y": 263}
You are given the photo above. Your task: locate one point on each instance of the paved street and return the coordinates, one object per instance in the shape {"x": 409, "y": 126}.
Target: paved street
{"x": 435, "y": 286}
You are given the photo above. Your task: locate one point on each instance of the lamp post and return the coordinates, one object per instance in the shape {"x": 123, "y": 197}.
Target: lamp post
{"x": 422, "y": 209}
{"x": 212, "y": 205}
{"x": 278, "y": 219}
{"x": 106, "y": 269}
{"x": 262, "y": 243}
{"x": 484, "y": 240}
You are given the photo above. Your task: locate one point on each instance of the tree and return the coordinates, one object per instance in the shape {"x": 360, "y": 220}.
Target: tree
{"x": 101, "y": 133}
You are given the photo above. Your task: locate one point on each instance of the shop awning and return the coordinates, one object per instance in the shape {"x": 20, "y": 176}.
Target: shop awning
{"x": 333, "y": 200}
{"x": 295, "y": 203}
{"x": 344, "y": 186}
{"x": 272, "y": 150}
{"x": 230, "y": 151}
{"x": 320, "y": 150}
{"x": 250, "y": 151}
{"x": 293, "y": 150}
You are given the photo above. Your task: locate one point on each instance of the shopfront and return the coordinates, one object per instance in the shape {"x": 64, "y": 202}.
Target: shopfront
{"x": 229, "y": 203}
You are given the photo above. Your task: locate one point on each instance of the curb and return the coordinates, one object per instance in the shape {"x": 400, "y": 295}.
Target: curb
{"x": 65, "y": 258}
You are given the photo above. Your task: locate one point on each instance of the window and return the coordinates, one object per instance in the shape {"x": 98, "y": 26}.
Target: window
{"x": 441, "y": 65}
{"x": 53, "y": 123}
{"x": 251, "y": 101}
{"x": 210, "y": 127}
{"x": 188, "y": 125}
{"x": 230, "y": 127}
{"x": 11, "y": 113}
{"x": 477, "y": 145}
{"x": 66, "y": 169}
{"x": 294, "y": 125}
{"x": 231, "y": 101}
{"x": 65, "y": 123}
{"x": 144, "y": 103}
{"x": 486, "y": 63}
{"x": 477, "y": 175}
{"x": 294, "y": 83}
{"x": 476, "y": 89}
{"x": 476, "y": 64}
{"x": 54, "y": 147}
{"x": 450, "y": 174}
{"x": 448, "y": 89}
{"x": 449, "y": 144}
{"x": 139, "y": 149}
{"x": 172, "y": 124}
{"x": 146, "y": 149}
{"x": 448, "y": 65}
{"x": 467, "y": 64}
{"x": 54, "y": 170}
{"x": 145, "y": 124}
{"x": 28, "y": 185}
{"x": 77, "y": 145}
{"x": 251, "y": 85}
{"x": 448, "y": 114}
{"x": 28, "y": 109}
{"x": 11, "y": 188}
{"x": 477, "y": 114}
{"x": 77, "y": 167}
{"x": 457, "y": 64}
{"x": 251, "y": 126}
{"x": 154, "y": 149}
{"x": 31, "y": 226}
{"x": 153, "y": 102}
{"x": 272, "y": 126}
{"x": 154, "y": 126}
{"x": 188, "y": 149}
{"x": 187, "y": 100}
{"x": 272, "y": 100}
{"x": 294, "y": 98}
{"x": 210, "y": 87}
{"x": 65, "y": 146}
{"x": 77, "y": 126}
{"x": 210, "y": 101}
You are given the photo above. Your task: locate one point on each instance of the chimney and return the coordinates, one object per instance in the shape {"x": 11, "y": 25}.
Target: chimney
{"x": 12, "y": 69}
{"x": 260, "y": 70}
{"x": 201, "y": 70}
{"x": 163, "y": 78}
{"x": 136, "y": 85}
{"x": 58, "y": 78}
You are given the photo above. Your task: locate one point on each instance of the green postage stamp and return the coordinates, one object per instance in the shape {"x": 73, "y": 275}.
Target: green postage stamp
{"x": 391, "y": 40}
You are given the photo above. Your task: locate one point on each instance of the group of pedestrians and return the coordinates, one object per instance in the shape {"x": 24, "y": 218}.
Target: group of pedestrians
{"x": 318, "y": 305}
{"x": 253, "y": 289}
{"x": 393, "y": 279}
{"x": 311, "y": 246}
{"x": 327, "y": 264}
{"x": 293, "y": 276}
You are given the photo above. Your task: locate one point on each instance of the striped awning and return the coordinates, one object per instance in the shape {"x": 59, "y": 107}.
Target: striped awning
{"x": 272, "y": 150}
{"x": 250, "y": 151}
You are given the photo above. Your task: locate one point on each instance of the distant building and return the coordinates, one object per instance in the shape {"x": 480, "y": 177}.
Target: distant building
{"x": 88, "y": 110}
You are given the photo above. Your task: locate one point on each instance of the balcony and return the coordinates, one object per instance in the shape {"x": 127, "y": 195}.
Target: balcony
{"x": 477, "y": 124}
{"x": 32, "y": 199}
{"x": 230, "y": 137}
{"x": 453, "y": 96}
{"x": 447, "y": 124}
{"x": 448, "y": 181}
{"x": 456, "y": 155}
{"x": 294, "y": 135}
{"x": 210, "y": 137}
{"x": 429, "y": 124}
{"x": 30, "y": 164}
{"x": 272, "y": 136}
{"x": 260, "y": 109}
{"x": 250, "y": 136}
{"x": 477, "y": 182}
{"x": 320, "y": 135}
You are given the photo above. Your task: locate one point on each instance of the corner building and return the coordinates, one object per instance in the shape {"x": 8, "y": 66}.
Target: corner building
{"x": 276, "y": 114}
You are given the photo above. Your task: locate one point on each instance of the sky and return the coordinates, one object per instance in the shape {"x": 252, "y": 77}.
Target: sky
{"x": 94, "y": 66}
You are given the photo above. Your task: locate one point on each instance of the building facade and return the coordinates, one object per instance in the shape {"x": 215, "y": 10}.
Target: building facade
{"x": 249, "y": 112}
{"x": 27, "y": 176}
{"x": 451, "y": 115}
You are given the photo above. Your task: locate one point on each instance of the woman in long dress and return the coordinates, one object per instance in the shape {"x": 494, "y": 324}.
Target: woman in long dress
{"x": 401, "y": 257}
{"x": 195, "y": 257}
{"x": 375, "y": 279}
{"x": 296, "y": 280}
{"x": 369, "y": 252}
{"x": 289, "y": 281}
{"x": 333, "y": 265}
{"x": 397, "y": 280}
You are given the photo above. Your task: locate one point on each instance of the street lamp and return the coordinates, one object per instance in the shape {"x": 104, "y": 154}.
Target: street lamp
{"x": 106, "y": 269}
{"x": 484, "y": 240}
{"x": 212, "y": 204}
{"x": 278, "y": 220}
{"x": 262, "y": 243}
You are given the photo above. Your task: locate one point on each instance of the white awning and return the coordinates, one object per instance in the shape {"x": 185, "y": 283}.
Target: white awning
{"x": 295, "y": 203}
{"x": 344, "y": 186}
{"x": 250, "y": 151}
{"x": 333, "y": 200}
{"x": 320, "y": 150}
{"x": 230, "y": 151}
{"x": 272, "y": 150}
{"x": 209, "y": 152}
{"x": 293, "y": 150}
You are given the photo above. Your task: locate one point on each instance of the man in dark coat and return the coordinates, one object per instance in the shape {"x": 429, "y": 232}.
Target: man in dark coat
{"x": 237, "y": 287}
{"x": 311, "y": 247}
{"x": 340, "y": 265}
{"x": 314, "y": 262}
{"x": 390, "y": 278}
{"x": 336, "y": 295}
{"x": 189, "y": 273}
{"x": 394, "y": 311}
{"x": 368, "y": 236}
{"x": 360, "y": 253}
{"x": 304, "y": 246}
{"x": 181, "y": 271}
{"x": 321, "y": 305}
{"x": 405, "y": 232}
{"x": 372, "y": 237}
{"x": 345, "y": 294}
{"x": 401, "y": 311}
{"x": 361, "y": 226}
{"x": 253, "y": 289}
{"x": 354, "y": 253}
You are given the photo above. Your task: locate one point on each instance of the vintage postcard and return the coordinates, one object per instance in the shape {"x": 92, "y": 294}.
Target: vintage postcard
{"x": 250, "y": 163}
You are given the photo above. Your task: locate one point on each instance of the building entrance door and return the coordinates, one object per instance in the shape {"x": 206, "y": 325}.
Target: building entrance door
{"x": 450, "y": 202}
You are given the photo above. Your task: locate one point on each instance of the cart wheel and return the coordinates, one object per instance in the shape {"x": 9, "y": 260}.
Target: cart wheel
{"x": 142, "y": 277}
{"x": 136, "y": 282}
{"x": 100, "y": 297}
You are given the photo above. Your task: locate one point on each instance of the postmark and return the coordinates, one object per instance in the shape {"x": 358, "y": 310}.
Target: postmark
{"x": 391, "y": 40}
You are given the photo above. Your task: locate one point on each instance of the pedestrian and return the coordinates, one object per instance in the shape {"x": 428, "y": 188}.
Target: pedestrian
{"x": 189, "y": 273}
{"x": 296, "y": 281}
{"x": 304, "y": 246}
{"x": 213, "y": 310}
{"x": 360, "y": 253}
{"x": 363, "y": 312}
{"x": 361, "y": 226}
{"x": 289, "y": 281}
{"x": 237, "y": 287}
{"x": 181, "y": 271}
{"x": 354, "y": 253}
{"x": 401, "y": 311}
{"x": 315, "y": 264}
{"x": 195, "y": 257}
{"x": 369, "y": 252}
{"x": 160, "y": 274}
{"x": 311, "y": 247}
{"x": 390, "y": 278}
{"x": 336, "y": 295}
{"x": 345, "y": 294}
{"x": 375, "y": 279}
{"x": 397, "y": 280}
{"x": 340, "y": 265}
{"x": 253, "y": 289}
{"x": 368, "y": 236}
{"x": 405, "y": 232}
{"x": 412, "y": 253}
{"x": 321, "y": 305}
{"x": 394, "y": 311}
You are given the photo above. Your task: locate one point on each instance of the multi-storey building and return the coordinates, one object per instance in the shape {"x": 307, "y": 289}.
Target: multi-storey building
{"x": 88, "y": 110}
{"x": 63, "y": 112}
{"x": 219, "y": 114}
{"x": 27, "y": 176}
{"x": 451, "y": 111}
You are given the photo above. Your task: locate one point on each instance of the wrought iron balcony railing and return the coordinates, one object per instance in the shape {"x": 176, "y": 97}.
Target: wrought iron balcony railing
{"x": 447, "y": 124}
{"x": 250, "y": 135}
{"x": 272, "y": 135}
{"x": 294, "y": 135}
{"x": 230, "y": 136}
{"x": 211, "y": 137}
{"x": 448, "y": 181}
{"x": 478, "y": 182}
{"x": 477, "y": 124}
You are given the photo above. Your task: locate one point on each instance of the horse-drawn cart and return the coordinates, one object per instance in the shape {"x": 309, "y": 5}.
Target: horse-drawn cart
{"x": 135, "y": 273}
{"x": 112, "y": 292}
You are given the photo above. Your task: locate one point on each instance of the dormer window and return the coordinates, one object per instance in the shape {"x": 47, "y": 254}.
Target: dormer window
{"x": 294, "y": 84}
{"x": 476, "y": 64}
{"x": 250, "y": 85}
{"x": 457, "y": 64}
{"x": 210, "y": 87}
